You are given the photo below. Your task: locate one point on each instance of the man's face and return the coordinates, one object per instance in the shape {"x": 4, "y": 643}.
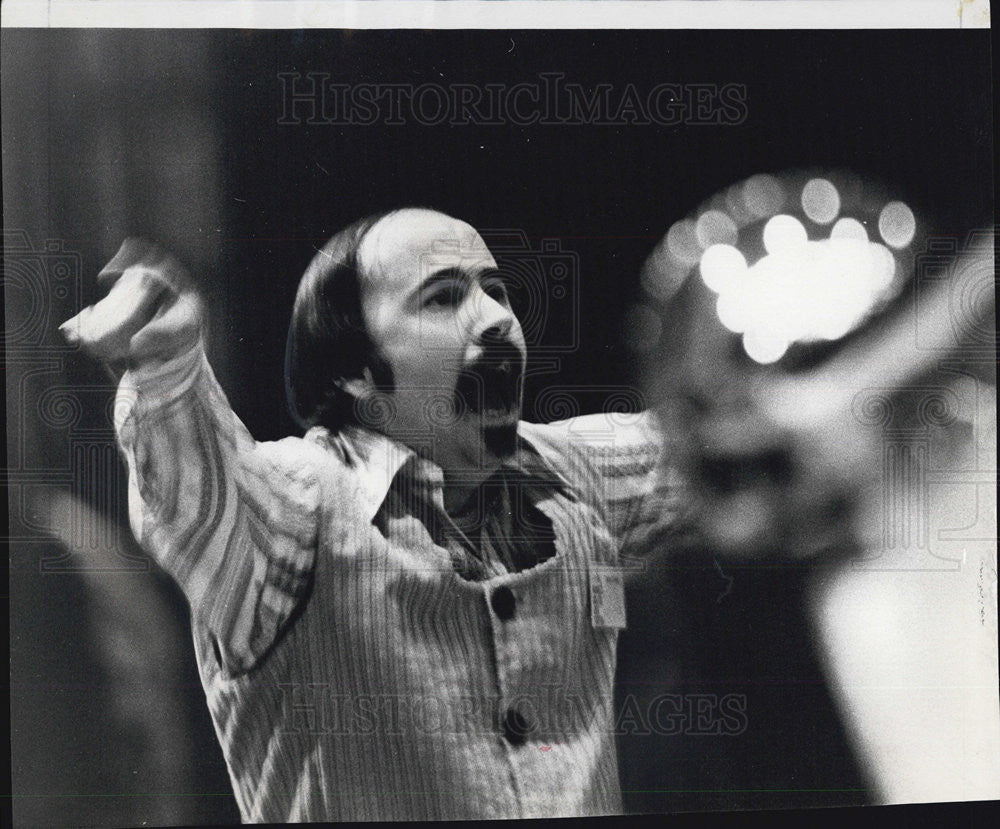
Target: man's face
{"x": 437, "y": 311}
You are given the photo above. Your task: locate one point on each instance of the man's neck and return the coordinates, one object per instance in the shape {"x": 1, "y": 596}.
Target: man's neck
{"x": 464, "y": 469}
{"x": 462, "y": 482}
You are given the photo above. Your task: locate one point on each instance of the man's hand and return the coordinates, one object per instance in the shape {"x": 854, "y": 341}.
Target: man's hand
{"x": 151, "y": 312}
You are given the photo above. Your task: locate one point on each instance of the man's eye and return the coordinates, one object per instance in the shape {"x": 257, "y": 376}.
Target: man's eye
{"x": 495, "y": 289}
{"x": 446, "y": 296}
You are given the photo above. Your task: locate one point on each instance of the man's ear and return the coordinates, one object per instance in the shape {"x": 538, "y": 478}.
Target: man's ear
{"x": 357, "y": 387}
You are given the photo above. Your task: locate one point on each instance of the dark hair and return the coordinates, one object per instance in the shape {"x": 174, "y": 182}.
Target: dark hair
{"x": 327, "y": 338}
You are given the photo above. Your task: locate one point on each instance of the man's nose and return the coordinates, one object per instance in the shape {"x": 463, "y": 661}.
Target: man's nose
{"x": 493, "y": 323}
{"x": 496, "y": 334}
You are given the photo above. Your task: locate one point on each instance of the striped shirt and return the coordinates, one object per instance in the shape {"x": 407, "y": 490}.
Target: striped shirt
{"x": 358, "y": 663}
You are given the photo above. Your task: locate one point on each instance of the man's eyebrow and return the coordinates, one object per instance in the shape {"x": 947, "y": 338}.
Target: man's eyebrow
{"x": 488, "y": 273}
{"x": 451, "y": 272}
{"x": 443, "y": 274}
{"x": 446, "y": 274}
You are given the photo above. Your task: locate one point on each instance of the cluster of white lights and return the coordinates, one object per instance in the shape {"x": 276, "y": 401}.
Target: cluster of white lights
{"x": 801, "y": 290}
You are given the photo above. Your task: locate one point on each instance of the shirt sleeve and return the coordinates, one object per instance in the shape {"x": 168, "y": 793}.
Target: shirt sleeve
{"x": 233, "y": 521}
{"x": 631, "y": 467}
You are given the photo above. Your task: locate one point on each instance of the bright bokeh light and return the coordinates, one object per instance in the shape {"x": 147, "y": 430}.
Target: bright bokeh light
{"x": 885, "y": 267}
{"x": 764, "y": 347}
{"x": 841, "y": 289}
{"x": 783, "y": 232}
{"x": 736, "y": 205}
{"x": 803, "y": 292}
{"x": 820, "y": 201}
{"x": 722, "y": 267}
{"x": 715, "y": 228}
{"x": 763, "y": 196}
{"x": 799, "y": 290}
{"x": 849, "y": 229}
{"x": 660, "y": 277}
{"x": 733, "y": 311}
{"x": 682, "y": 242}
{"x": 897, "y": 224}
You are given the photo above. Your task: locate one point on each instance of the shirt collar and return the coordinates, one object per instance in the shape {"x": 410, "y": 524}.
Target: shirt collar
{"x": 379, "y": 459}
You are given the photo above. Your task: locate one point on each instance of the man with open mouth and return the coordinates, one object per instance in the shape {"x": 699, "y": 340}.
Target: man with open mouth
{"x": 412, "y": 611}
{"x": 490, "y": 388}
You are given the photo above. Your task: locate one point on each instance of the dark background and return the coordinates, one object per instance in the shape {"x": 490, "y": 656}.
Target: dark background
{"x": 176, "y": 135}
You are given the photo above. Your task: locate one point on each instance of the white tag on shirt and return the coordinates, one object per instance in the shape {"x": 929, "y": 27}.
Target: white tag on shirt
{"x": 607, "y": 597}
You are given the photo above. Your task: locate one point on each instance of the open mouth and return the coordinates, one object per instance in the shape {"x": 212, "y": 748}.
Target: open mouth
{"x": 491, "y": 387}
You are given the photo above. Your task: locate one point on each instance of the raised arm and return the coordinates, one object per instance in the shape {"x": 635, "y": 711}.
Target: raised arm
{"x": 233, "y": 521}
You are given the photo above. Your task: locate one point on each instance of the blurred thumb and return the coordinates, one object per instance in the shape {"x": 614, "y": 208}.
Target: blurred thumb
{"x": 71, "y": 328}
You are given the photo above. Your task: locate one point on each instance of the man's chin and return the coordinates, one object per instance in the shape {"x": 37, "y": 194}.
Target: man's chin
{"x": 500, "y": 418}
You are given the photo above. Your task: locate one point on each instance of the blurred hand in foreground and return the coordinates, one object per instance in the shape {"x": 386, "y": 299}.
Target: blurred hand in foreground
{"x": 150, "y": 313}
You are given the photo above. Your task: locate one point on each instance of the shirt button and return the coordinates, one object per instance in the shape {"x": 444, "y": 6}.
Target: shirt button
{"x": 503, "y": 603}
{"x": 516, "y": 727}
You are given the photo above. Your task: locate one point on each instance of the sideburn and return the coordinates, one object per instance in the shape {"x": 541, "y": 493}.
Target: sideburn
{"x": 382, "y": 375}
